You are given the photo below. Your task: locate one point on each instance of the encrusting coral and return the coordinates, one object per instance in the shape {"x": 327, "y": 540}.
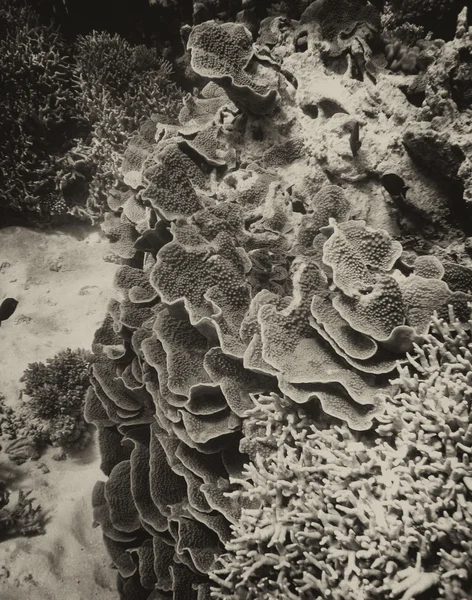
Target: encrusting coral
{"x": 259, "y": 254}
{"x": 334, "y": 514}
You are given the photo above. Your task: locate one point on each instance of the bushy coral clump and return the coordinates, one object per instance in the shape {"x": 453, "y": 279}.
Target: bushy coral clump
{"x": 57, "y": 387}
{"x": 343, "y": 516}
{"x": 53, "y": 410}
{"x": 119, "y": 86}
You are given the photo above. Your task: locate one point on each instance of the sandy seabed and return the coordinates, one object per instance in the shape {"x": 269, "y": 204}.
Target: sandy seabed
{"x": 62, "y": 285}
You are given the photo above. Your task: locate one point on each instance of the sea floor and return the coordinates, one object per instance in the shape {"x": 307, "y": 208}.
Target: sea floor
{"x": 62, "y": 285}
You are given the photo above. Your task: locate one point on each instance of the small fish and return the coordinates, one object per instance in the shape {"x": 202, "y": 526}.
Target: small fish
{"x": 394, "y": 185}
{"x": 152, "y": 240}
{"x": 7, "y": 308}
{"x": 354, "y": 140}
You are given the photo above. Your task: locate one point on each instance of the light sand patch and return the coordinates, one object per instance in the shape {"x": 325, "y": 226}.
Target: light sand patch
{"x": 63, "y": 285}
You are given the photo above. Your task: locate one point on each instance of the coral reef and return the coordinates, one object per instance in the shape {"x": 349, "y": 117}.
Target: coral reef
{"x": 439, "y": 82}
{"x": 438, "y": 17}
{"x": 331, "y": 514}
{"x": 260, "y": 252}
{"x": 118, "y": 85}
{"x": 52, "y": 413}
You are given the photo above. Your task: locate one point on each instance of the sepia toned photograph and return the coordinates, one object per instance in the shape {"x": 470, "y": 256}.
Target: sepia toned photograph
{"x": 235, "y": 300}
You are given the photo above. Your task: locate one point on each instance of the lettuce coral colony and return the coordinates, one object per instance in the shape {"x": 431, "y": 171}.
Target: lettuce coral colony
{"x": 262, "y": 293}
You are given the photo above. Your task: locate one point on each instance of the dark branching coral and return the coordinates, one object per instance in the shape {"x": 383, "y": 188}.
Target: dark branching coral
{"x": 438, "y": 17}
{"x": 39, "y": 116}
{"x": 59, "y": 385}
{"x": 250, "y": 273}
{"x": 68, "y": 112}
{"x": 53, "y": 410}
{"x": 119, "y": 85}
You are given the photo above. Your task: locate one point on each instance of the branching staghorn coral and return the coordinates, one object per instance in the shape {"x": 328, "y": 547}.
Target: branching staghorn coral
{"x": 119, "y": 85}
{"x": 339, "y": 515}
{"x": 39, "y": 117}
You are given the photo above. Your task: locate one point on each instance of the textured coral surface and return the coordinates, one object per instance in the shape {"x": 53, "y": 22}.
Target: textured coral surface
{"x": 259, "y": 246}
{"x": 68, "y": 111}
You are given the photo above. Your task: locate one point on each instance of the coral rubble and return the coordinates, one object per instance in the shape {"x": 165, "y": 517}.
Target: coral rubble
{"x": 257, "y": 242}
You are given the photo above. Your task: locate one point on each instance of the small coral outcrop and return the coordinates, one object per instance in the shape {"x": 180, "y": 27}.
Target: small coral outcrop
{"x": 23, "y": 517}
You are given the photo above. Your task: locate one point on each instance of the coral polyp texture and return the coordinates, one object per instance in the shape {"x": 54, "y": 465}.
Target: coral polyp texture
{"x": 261, "y": 256}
